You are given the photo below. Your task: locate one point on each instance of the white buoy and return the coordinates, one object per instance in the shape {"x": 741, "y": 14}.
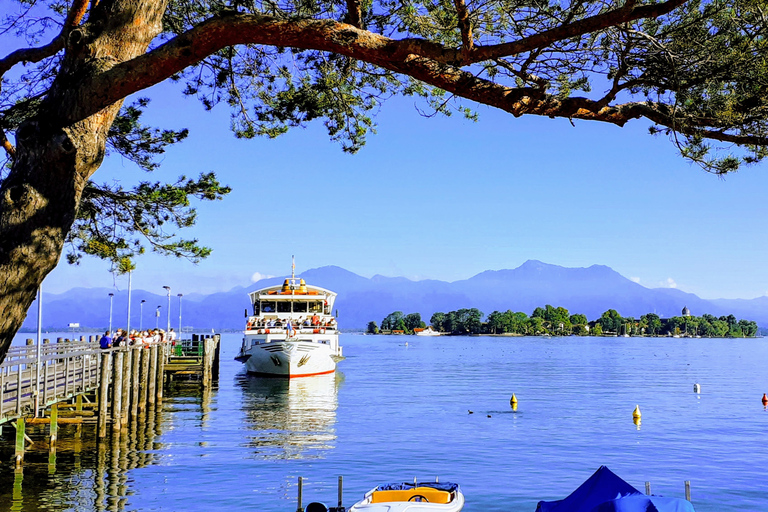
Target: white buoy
{"x": 696, "y": 388}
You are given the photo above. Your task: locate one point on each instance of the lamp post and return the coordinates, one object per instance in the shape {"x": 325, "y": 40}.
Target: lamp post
{"x": 128, "y": 326}
{"x": 39, "y": 335}
{"x": 111, "y": 296}
{"x": 168, "y": 289}
{"x": 157, "y": 316}
{"x": 141, "y": 315}
{"x": 180, "y": 295}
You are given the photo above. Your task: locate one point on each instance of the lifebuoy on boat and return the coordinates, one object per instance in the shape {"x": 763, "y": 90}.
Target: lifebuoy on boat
{"x": 316, "y": 331}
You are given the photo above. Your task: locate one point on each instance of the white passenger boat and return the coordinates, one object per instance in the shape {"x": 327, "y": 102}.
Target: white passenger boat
{"x": 412, "y": 497}
{"x": 292, "y": 332}
{"x": 428, "y": 331}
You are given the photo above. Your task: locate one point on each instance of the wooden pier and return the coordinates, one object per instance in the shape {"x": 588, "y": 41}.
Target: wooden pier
{"x": 77, "y": 382}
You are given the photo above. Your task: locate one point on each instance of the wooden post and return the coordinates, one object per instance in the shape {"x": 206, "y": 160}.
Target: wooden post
{"x": 341, "y": 486}
{"x": 216, "y": 356}
{"x": 145, "y": 356}
{"x": 106, "y": 357}
{"x": 127, "y": 364}
{"x": 162, "y": 349}
{"x": 208, "y": 346}
{"x": 299, "y": 508}
{"x": 19, "y": 440}
{"x": 688, "y": 490}
{"x": 54, "y": 424}
{"x": 648, "y": 488}
{"x": 117, "y": 390}
{"x": 136, "y": 366}
{"x": 152, "y": 375}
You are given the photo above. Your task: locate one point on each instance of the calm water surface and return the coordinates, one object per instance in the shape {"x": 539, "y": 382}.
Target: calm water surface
{"x": 398, "y": 409}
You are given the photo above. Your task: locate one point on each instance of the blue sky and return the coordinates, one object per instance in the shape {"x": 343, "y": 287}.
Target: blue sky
{"x": 446, "y": 198}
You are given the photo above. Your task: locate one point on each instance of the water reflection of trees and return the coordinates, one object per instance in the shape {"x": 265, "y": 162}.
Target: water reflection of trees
{"x": 291, "y": 418}
{"x": 84, "y": 473}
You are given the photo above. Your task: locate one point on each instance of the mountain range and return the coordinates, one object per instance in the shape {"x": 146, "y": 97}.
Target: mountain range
{"x": 589, "y": 291}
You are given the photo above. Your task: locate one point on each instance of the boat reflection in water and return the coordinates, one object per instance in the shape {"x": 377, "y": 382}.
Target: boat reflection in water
{"x": 292, "y": 418}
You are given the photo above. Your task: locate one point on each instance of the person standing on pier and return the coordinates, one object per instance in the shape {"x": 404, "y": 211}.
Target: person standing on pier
{"x": 106, "y": 341}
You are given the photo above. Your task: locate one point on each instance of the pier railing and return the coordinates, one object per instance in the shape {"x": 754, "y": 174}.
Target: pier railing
{"x": 62, "y": 371}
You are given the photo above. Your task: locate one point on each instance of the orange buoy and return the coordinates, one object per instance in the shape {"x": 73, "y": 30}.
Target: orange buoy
{"x": 765, "y": 399}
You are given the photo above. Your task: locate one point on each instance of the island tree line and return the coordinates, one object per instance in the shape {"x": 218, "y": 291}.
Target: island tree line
{"x": 557, "y": 321}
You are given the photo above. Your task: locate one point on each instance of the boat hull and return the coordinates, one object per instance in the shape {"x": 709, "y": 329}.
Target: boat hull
{"x": 277, "y": 357}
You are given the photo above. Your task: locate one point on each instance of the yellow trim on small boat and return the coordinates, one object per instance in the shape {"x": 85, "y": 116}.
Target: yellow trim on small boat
{"x": 433, "y": 495}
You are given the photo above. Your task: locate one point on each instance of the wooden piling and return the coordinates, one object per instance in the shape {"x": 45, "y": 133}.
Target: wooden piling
{"x": 117, "y": 390}
{"x": 143, "y": 384}
{"x": 104, "y": 392}
{"x": 136, "y": 366}
{"x": 54, "y": 430}
{"x": 20, "y": 440}
{"x": 152, "y": 375}
{"x": 688, "y": 490}
{"x": 648, "y": 488}
{"x": 216, "y": 357}
{"x": 127, "y": 366}
{"x": 160, "y": 377}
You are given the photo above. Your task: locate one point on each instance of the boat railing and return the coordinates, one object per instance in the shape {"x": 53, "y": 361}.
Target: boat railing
{"x": 298, "y": 330}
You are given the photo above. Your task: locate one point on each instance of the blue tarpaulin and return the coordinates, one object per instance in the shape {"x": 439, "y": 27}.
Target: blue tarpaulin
{"x": 606, "y": 492}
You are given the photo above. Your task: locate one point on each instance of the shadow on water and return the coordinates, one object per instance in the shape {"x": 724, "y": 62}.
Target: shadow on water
{"x": 83, "y": 472}
{"x": 290, "y": 418}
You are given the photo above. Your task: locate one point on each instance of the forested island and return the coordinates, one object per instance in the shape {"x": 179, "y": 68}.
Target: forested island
{"x": 557, "y": 321}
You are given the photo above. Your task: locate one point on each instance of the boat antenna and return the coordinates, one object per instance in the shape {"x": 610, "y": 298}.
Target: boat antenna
{"x": 293, "y": 267}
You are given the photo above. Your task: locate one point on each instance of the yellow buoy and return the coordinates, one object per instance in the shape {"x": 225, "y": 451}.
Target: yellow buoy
{"x": 513, "y": 400}
{"x": 514, "y": 406}
{"x": 636, "y": 421}
{"x": 636, "y": 412}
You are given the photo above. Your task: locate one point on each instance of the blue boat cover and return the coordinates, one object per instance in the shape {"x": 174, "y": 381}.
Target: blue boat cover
{"x": 606, "y": 492}
{"x": 404, "y": 486}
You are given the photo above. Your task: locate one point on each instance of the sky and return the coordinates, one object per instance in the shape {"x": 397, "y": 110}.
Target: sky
{"x": 447, "y": 198}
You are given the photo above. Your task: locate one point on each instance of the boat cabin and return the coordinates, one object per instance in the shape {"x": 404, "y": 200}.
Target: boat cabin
{"x": 303, "y": 305}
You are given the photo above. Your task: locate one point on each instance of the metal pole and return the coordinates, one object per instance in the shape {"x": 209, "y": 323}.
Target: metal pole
{"x": 180, "y": 295}
{"x": 39, "y": 336}
{"x": 168, "y": 327}
{"x": 128, "y": 327}
{"x": 111, "y": 296}
{"x": 157, "y": 316}
{"x": 141, "y": 315}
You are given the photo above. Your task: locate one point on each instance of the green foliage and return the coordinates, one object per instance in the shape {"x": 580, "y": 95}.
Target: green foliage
{"x": 138, "y": 143}
{"x": 372, "y": 328}
{"x": 391, "y": 321}
{"x": 114, "y": 224}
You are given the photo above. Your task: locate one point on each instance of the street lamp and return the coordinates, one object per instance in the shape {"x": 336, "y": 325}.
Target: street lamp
{"x": 168, "y": 289}
{"x": 180, "y": 296}
{"x": 141, "y": 315}
{"x": 157, "y": 316}
{"x": 111, "y": 296}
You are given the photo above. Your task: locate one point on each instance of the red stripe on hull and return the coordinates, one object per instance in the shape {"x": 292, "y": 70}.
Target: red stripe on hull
{"x": 283, "y": 376}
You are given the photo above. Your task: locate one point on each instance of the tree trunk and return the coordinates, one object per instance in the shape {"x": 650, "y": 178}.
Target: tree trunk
{"x": 56, "y": 154}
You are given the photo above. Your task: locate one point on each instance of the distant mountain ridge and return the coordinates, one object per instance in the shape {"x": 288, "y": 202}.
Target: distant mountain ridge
{"x": 590, "y": 291}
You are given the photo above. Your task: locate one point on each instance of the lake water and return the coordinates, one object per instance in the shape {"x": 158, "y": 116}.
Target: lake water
{"x": 397, "y": 408}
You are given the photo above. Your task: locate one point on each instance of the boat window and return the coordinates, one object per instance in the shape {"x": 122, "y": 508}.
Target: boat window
{"x": 299, "y": 307}
{"x": 257, "y": 341}
{"x": 315, "y": 307}
{"x": 268, "y": 306}
{"x": 283, "y": 307}
{"x": 324, "y": 342}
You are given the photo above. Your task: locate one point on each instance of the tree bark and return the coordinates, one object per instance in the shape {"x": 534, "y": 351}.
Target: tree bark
{"x": 56, "y": 156}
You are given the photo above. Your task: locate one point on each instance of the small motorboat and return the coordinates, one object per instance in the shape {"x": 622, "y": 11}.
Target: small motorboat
{"x": 412, "y": 497}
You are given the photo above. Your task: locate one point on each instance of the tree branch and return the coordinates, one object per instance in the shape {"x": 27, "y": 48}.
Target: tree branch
{"x": 74, "y": 17}
{"x": 417, "y": 58}
{"x": 467, "y": 43}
